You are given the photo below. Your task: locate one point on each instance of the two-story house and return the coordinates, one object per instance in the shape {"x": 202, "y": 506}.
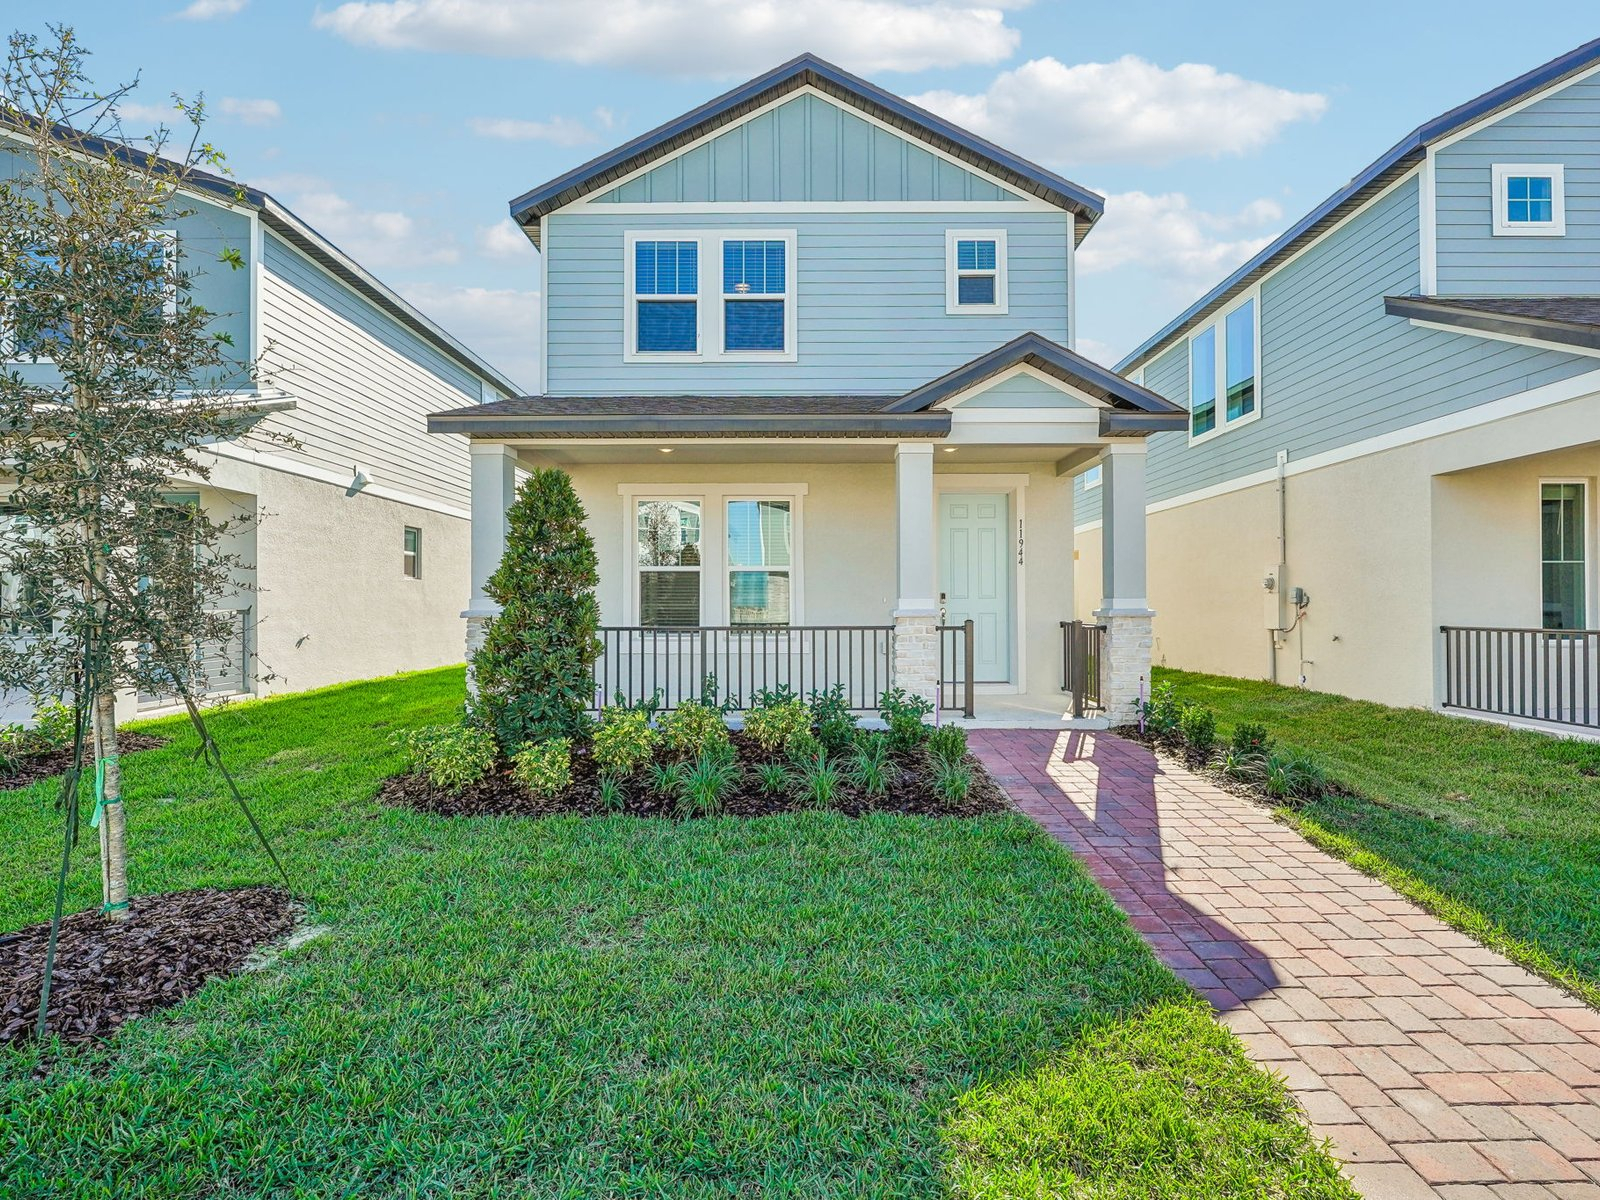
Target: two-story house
{"x": 1387, "y": 483}
{"x": 361, "y": 532}
{"x": 806, "y": 354}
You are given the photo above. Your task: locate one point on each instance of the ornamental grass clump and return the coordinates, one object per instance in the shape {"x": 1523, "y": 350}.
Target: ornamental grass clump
{"x": 623, "y": 742}
{"x": 692, "y": 729}
{"x": 544, "y": 768}
{"x": 453, "y": 757}
{"x": 774, "y": 778}
{"x": 1288, "y": 775}
{"x": 704, "y": 785}
{"x": 871, "y": 769}
{"x": 776, "y": 729}
{"x": 952, "y": 781}
{"x": 821, "y": 780}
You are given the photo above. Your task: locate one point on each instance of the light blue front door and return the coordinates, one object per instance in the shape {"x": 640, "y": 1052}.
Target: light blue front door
{"x": 975, "y": 575}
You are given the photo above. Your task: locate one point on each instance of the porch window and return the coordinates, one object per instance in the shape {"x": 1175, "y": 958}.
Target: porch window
{"x": 1564, "y": 563}
{"x": 668, "y": 539}
{"x": 666, "y": 287}
{"x": 975, "y": 271}
{"x": 754, "y": 295}
{"x": 760, "y": 555}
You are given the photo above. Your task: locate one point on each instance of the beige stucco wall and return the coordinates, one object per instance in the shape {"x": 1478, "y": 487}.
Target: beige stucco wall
{"x": 847, "y": 546}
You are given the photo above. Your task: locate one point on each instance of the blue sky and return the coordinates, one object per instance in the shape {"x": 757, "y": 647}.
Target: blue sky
{"x": 401, "y": 129}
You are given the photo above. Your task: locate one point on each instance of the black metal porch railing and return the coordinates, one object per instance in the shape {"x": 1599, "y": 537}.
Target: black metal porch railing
{"x": 1082, "y": 664}
{"x": 669, "y": 665}
{"x": 1534, "y": 674}
{"x": 957, "y": 689}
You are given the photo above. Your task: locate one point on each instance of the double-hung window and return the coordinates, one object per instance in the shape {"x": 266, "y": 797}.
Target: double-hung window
{"x": 1529, "y": 199}
{"x": 760, "y": 557}
{"x": 755, "y": 293}
{"x": 666, "y": 297}
{"x": 1225, "y": 372}
{"x": 1563, "y": 554}
{"x": 975, "y": 271}
{"x": 668, "y": 547}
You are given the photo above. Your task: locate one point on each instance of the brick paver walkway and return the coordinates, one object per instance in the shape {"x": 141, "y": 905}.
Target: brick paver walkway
{"x": 1437, "y": 1067}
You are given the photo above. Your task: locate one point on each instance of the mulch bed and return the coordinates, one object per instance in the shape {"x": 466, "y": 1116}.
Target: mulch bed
{"x": 55, "y": 762}
{"x": 108, "y": 972}
{"x": 910, "y": 792}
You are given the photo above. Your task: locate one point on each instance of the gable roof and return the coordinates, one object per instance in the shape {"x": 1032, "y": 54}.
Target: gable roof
{"x": 807, "y": 70}
{"x": 1561, "y": 320}
{"x": 1371, "y": 179}
{"x": 278, "y": 217}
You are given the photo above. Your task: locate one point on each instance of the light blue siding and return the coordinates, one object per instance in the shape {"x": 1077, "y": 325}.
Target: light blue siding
{"x": 1022, "y": 391}
{"x": 806, "y": 149}
{"x": 1563, "y": 127}
{"x": 1335, "y": 368}
{"x": 870, "y": 311}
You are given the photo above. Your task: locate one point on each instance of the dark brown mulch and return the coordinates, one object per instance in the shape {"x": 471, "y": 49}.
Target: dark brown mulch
{"x": 55, "y": 762}
{"x": 108, "y": 972}
{"x": 910, "y": 792}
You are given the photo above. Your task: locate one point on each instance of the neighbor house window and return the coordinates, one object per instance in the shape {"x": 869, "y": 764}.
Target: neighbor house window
{"x": 754, "y": 294}
{"x": 975, "y": 271}
{"x": 760, "y": 558}
{"x": 665, "y": 303}
{"x": 1564, "y": 565}
{"x": 1225, "y": 371}
{"x": 1529, "y": 199}
{"x": 668, "y": 541}
{"x": 411, "y": 555}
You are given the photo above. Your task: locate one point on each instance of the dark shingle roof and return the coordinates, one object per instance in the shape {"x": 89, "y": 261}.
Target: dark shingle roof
{"x": 1564, "y": 320}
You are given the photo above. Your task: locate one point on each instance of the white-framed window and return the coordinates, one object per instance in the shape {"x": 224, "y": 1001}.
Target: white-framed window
{"x": 668, "y": 546}
{"x": 1529, "y": 199}
{"x": 975, "y": 271}
{"x": 411, "y": 553}
{"x": 15, "y": 347}
{"x": 1091, "y": 477}
{"x": 760, "y": 556}
{"x": 1225, "y": 371}
{"x": 1564, "y": 553}
{"x": 710, "y": 296}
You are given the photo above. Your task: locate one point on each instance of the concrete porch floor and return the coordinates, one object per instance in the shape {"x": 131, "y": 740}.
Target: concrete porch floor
{"x": 1050, "y": 709}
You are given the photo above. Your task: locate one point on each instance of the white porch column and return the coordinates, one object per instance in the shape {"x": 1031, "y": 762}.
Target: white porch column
{"x": 494, "y": 486}
{"x": 916, "y": 612}
{"x": 1124, "y": 607}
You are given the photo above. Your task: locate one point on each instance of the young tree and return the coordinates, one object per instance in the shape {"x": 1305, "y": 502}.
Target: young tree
{"x": 535, "y": 669}
{"x": 112, "y": 586}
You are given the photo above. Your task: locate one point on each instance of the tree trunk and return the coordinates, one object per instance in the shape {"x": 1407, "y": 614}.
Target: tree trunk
{"x": 108, "y": 772}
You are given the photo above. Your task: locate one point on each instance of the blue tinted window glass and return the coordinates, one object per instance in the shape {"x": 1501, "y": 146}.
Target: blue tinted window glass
{"x": 1539, "y": 187}
{"x": 1541, "y": 211}
{"x": 1517, "y": 187}
{"x": 666, "y": 268}
{"x": 666, "y": 326}
{"x": 752, "y": 324}
{"x": 1530, "y": 199}
{"x": 975, "y": 289}
{"x": 975, "y": 255}
{"x": 1240, "y": 363}
{"x": 753, "y": 267}
{"x": 1203, "y": 382}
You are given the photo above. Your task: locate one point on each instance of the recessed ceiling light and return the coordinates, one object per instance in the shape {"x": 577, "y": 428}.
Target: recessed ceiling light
{"x": 948, "y": 449}
{"x": 665, "y": 449}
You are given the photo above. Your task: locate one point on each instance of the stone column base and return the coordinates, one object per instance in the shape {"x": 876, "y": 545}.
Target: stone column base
{"x": 477, "y": 631}
{"x": 1125, "y": 663}
{"x": 915, "y": 663}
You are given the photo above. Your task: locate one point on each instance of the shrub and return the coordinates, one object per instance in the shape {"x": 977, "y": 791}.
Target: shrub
{"x": 1161, "y": 712}
{"x": 831, "y": 719}
{"x": 1250, "y": 738}
{"x": 612, "y": 797}
{"x": 776, "y": 727}
{"x": 804, "y": 748}
{"x": 623, "y": 742}
{"x": 902, "y": 712}
{"x": 948, "y": 743}
{"x": 1197, "y": 725}
{"x": 711, "y": 695}
{"x": 703, "y": 786}
{"x": 1292, "y": 776}
{"x": 772, "y": 697}
{"x": 54, "y": 726}
{"x": 692, "y": 728}
{"x": 649, "y": 707}
{"x": 952, "y": 781}
{"x": 451, "y": 756}
{"x": 535, "y": 669}
{"x": 821, "y": 780}
{"x": 773, "y": 778}
{"x": 544, "y": 768}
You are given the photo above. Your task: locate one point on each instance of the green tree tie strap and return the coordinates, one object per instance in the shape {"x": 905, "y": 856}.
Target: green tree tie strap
{"x": 100, "y": 789}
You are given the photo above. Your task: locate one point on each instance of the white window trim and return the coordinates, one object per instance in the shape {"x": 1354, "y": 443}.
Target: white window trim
{"x": 709, "y": 296}
{"x": 1000, "y": 307}
{"x": 1556, "y": 226}
{"x": 793, "y": 569}
{"x": 713, "y": 499}
{"x": 1589, "y": 543}
{"x": 409, "y": 557}
{"x": 1219, "y": 327}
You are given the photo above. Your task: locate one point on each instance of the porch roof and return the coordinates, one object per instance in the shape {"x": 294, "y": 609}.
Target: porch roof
{"x": 1562, "y": 320}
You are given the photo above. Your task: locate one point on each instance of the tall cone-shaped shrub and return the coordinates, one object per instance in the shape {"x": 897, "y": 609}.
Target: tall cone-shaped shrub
{"x": 535, "y": 669}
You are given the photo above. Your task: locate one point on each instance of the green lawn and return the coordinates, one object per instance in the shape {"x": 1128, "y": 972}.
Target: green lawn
{"x": 1496, "y": 829}
{"x": 803, "y": 1006}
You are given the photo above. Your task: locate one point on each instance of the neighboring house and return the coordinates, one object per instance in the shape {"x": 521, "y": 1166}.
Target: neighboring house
{"x": 806, "y": 355}
{"x": 363, "y": 527}
{"x": 1394, "y": 433}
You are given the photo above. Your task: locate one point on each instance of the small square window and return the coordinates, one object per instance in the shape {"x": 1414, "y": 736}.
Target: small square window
{"x": 411, "y": 556}
{"x": 975, "y": 271}
{"x": 1528, "y": 200}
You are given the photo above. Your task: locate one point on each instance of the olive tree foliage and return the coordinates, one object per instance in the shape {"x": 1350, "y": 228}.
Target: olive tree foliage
{"x": 115, "y": 381}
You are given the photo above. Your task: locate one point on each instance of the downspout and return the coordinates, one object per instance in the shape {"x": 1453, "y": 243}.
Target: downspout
{"x": 1283, "y": 552}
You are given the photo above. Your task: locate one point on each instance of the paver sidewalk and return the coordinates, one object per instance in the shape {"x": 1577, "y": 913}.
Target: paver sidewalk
{"x": 1437, "y": 1067}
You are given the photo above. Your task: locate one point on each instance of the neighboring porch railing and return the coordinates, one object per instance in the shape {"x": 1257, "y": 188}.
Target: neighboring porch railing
{"x": 1535, "y": 674}
{"x": 224, "y": 663}
{"x": 957, "y": 690}
{"x": 1081, "y": 664}
{"x": 674, "y": 664}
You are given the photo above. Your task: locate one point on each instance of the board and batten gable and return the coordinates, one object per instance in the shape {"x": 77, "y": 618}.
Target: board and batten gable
{"x": 870, "y": 212}
{"x": 1560, "y": 127}
{"x": 1335, "y": 368}
{"x": 363, "y": 384}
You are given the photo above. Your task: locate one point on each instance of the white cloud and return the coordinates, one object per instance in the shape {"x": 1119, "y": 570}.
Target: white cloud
{"x": 1127, "y": 111}
{"x": 206, "y": 10}
{"x": 1165, "y": 236}
{"x": 563, "y": 131}
{"x": 688, "y": 37}
{"x": 499, "y": 324}
{"x": 150, "y": 114}
{"x": 373, "y": 237}
{"x": 1097, "y": 351}
{"x": 250, "y": 112}
{"x": 504, "y": 239}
